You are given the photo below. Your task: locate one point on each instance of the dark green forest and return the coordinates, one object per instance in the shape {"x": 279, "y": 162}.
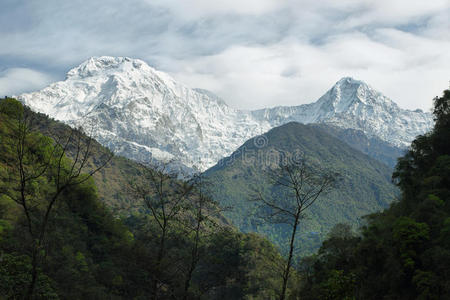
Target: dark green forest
{"x": 79, "y": 223}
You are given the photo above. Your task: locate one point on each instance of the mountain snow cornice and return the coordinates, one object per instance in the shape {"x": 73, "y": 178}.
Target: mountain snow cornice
{"x": 141, "y": 113}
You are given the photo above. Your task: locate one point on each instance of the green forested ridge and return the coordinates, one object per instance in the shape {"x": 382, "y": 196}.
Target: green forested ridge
{"x": 101, "y": 241}
{"x": 373, "y": 146}
{"x": 90, "y": 253}
{"x": 404, "y": 251}
{"x": 111, "y": 181}
{"x": 365, "y": 184}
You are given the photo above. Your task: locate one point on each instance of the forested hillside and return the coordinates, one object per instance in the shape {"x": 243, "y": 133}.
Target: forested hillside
{"x": 404, "y": 251}
{"x": 76, "y": 222}
{"x": 85, "y": 251}
{"x": 112, "y": 180}
{"x": 373, "y": 146}
{"x": 364, "y": 184}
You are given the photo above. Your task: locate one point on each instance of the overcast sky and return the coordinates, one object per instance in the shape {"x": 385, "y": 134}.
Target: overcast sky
{"x": 252, "y": 53}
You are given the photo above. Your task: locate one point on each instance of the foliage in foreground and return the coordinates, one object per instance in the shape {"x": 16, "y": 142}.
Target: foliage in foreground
{"x": 404, "y": 251}
{"x": 90, "y": 253}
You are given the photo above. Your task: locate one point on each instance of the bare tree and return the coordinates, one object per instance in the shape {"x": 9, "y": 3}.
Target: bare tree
{"x": 36, "y": 157}
{"x": 165, "y": 197}
{"x": 204, "y": 211}
{"x": 298, "y": 186}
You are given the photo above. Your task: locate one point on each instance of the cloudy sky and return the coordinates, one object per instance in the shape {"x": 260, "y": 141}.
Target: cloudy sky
{"x": 252, "y": 53}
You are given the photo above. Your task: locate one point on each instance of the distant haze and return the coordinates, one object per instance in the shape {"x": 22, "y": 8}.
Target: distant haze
{"x": 253, "y": 54}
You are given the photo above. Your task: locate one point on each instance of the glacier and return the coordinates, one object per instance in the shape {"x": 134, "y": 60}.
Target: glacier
{"x": 144, "y": 114}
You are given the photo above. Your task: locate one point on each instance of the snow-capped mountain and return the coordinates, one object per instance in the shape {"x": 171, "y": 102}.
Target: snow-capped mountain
{"x": 353, "y": 104}
{"x": 141, "y": 113}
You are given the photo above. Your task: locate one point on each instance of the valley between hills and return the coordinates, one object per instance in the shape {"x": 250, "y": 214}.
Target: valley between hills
{"x": 121, "y": 183}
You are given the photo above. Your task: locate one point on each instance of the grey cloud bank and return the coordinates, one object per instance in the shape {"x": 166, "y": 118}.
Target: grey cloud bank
{"x": 252, "y": 53}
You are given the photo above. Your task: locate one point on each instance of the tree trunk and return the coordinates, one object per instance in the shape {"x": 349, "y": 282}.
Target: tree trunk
{"x": 32, "y": 285}
{"x": 193, "y": 262}
{"x": 289, "y": 262}
{"x": 158, "y": 264}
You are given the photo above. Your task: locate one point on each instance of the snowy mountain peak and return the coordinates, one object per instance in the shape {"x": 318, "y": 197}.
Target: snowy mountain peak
{"x": 352, "y": 103}
{"x": 349, "y": 83}
{"x": 122, "y": 72}
{"x": 348, "y": 93}
{"x": 145, "y": 114}
{"x": 95, "y": 65}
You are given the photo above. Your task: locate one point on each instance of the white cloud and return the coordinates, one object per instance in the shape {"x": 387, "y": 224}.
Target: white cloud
{"x": 253, "y": 53}
{"x": 204, "y": 8}
{"x": 18, "y": 80}
{"x": 408, "y": 69}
